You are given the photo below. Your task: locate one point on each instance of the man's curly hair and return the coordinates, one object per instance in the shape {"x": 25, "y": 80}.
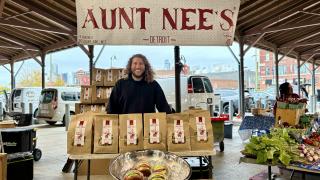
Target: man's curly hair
{"x": 148, "y": 73}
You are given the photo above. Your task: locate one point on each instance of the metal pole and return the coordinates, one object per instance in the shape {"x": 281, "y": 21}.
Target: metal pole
{"x": 12, "y": 75}
{"x": 241, "y": 77}
{"x": 67, "y": 116}
{"x": 313, "y": 87}
{"x": 239, "y": 84}
{"x": 220, "y": 108}
{"x": 1, "y": 112}
{"x": 43, "y": 65}
{"x": 91, "y": 48}
{"x": 31, "y": 113}
{"x": 299, "y": 75}
{"x": 177, "y": 69}
{"x": 23, "y": 108}
{"x": 276, "y": 61}
{"x": 230, "y": 110}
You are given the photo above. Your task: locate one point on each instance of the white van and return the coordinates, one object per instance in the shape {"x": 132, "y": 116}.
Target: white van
{"x": 52, "y": 103}
{"x": 23, "y": 96}
{"x": 196, "y": 91}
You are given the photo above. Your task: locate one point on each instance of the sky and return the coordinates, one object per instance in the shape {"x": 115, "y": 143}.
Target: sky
{"x": 71, "y": 60}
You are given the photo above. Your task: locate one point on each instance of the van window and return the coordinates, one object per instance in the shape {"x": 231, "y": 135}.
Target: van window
{"x": 207, "y": 85}
{"x": 46, "y": 96}
{"x": 197, "y": 85}
{"x": 17, "y": 93}
{"x": 70, "y": 96}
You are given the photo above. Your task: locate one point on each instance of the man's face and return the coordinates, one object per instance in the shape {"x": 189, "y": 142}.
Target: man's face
{"x": 137, "y": 67}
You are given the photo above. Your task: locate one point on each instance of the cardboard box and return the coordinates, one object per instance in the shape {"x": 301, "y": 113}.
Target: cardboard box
{"x": 290, "y": 116}
{"x": 97, "y": 108}
{"x": 99, "y": 94}
{"x": 7, "y": 124}
{"x": 113, "y": 75}
{"x": 3, "y": 166}
{"x": 98, "y": 76}
{"x": 86, "y": 94}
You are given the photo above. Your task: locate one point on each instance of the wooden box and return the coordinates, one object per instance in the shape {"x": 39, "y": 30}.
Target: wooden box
{"x": 290, "y": 116}
{"x": 98, "y": 76}
{"x": 86, "y": 94}
{"x": 3, "y": 166}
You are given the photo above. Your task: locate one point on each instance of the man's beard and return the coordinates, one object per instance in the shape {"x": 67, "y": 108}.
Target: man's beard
{"x": 137, "y": 76}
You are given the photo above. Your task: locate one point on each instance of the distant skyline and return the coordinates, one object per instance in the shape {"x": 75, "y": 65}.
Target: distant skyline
{"x": 71, "y": 60}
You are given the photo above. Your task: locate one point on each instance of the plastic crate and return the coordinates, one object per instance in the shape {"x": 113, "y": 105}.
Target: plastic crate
{"x": 296, "y": 106}
{"x": 282, "y": 105}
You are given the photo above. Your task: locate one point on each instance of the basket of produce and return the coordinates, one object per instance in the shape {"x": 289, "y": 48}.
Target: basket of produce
{"x": 282, "y": 105}
{"x": 296, "y": 106}
{"x": 149, "y": 164}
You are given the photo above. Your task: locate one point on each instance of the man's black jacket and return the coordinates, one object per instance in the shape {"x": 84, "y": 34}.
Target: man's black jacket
{"x": 130, "y": 96}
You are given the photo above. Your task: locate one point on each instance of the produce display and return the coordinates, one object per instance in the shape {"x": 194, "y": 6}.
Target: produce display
{"x": 288, "y": 146}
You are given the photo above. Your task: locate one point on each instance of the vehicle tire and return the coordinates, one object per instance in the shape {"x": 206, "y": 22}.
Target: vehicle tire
{"x": 35, "y": 113}
{"x": 221, "y": 146}
{"x": 51, "y": 122}
{"x": 37, "y": 154}
{"x": 226, "y": 109}
{"x": 64, "y": 120}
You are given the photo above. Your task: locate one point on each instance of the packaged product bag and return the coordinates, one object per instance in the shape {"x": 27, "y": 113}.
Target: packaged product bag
{"x": 178, "y": 137}
{"x": 155, "y": 131}
{"x": 201, "y": 134}
{"x": 80, "y": 134}
{"x": 131, "y": 132}
{"x": 106, "y": 135}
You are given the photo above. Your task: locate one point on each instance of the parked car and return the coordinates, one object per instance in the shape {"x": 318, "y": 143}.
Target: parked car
{"x": 52, "y": 103}
{"x": 23, "y": 96}
{"x": 196, "y": 91}
{"x": 233, "y": 94}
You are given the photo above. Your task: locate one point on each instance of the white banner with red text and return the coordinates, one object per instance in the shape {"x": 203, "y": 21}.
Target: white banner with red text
{"x": 153, "y": 22}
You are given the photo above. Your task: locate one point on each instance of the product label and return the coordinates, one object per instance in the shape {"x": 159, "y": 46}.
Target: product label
{"x": 106, "y": 132}
{"x": 98, "y": 76}
{"x": 99, "y": 92}
{"x": 79, "y": 133}
{"x": 154, "y": 131}
{"x": 109, "y": 75}
{"x": 178, "y": 132}
{"x": 82, "y": 108}
{"x": 201, "y": 129}
{"x": 86, "y": 94}
{"x": 94, "y": 108}
{"x": 132, "y": 132}
{"x": 108, "y": 92}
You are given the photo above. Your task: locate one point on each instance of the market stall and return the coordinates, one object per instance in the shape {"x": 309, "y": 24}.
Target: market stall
{"x": 293, "y": 143}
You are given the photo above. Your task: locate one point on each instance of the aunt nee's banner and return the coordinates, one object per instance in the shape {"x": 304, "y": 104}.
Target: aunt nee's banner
{"x": 155, "y": 22}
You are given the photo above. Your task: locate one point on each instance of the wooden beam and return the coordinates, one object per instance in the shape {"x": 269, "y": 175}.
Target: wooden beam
{"x": 310, "y": 43}
{"x": 17, "y": 41}
{"x": 283, "y": 28}
{"x": 1, "y": 6}
{"x": 47, "y": 15}
{"x": 61, "y": 44}
{"x": 35, "y": 28}
{"x": 311, "y": 51}
{"x": 301, "y": 38}
{"x": 287, "y": 14}
{"x": 24, "y": 56}
{"x": 16, "y": 47}
{"x": 4, "y": 57}
{"x": 33, "y": 57}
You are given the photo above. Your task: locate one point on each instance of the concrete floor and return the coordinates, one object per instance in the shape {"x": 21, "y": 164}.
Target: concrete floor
{"x": 52, "y": 142}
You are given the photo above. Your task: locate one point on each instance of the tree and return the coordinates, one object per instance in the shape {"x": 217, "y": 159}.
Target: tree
{"x": 33, "y": 79}
{"x": 30, "y": 79}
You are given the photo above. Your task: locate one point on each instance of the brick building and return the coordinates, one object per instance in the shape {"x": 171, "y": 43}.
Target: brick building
{"x": 288, "y": 71}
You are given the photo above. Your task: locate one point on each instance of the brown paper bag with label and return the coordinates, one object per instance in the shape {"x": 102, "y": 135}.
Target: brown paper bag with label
{"x": 178, "y": 138}
{"x": 155, "y": 131}
{"x": 131, "y": 132}
{"x": 3, "y": 166}
{"x": 201, "y": 134}
{"x": 106, "y": 135}
{"x": 80, "y": 134}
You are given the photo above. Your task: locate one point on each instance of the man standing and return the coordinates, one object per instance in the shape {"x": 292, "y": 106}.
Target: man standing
{"x": 139, "y": 92}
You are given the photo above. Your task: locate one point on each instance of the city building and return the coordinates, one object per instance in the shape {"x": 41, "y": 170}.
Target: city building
{"x": 288, "y": 71}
